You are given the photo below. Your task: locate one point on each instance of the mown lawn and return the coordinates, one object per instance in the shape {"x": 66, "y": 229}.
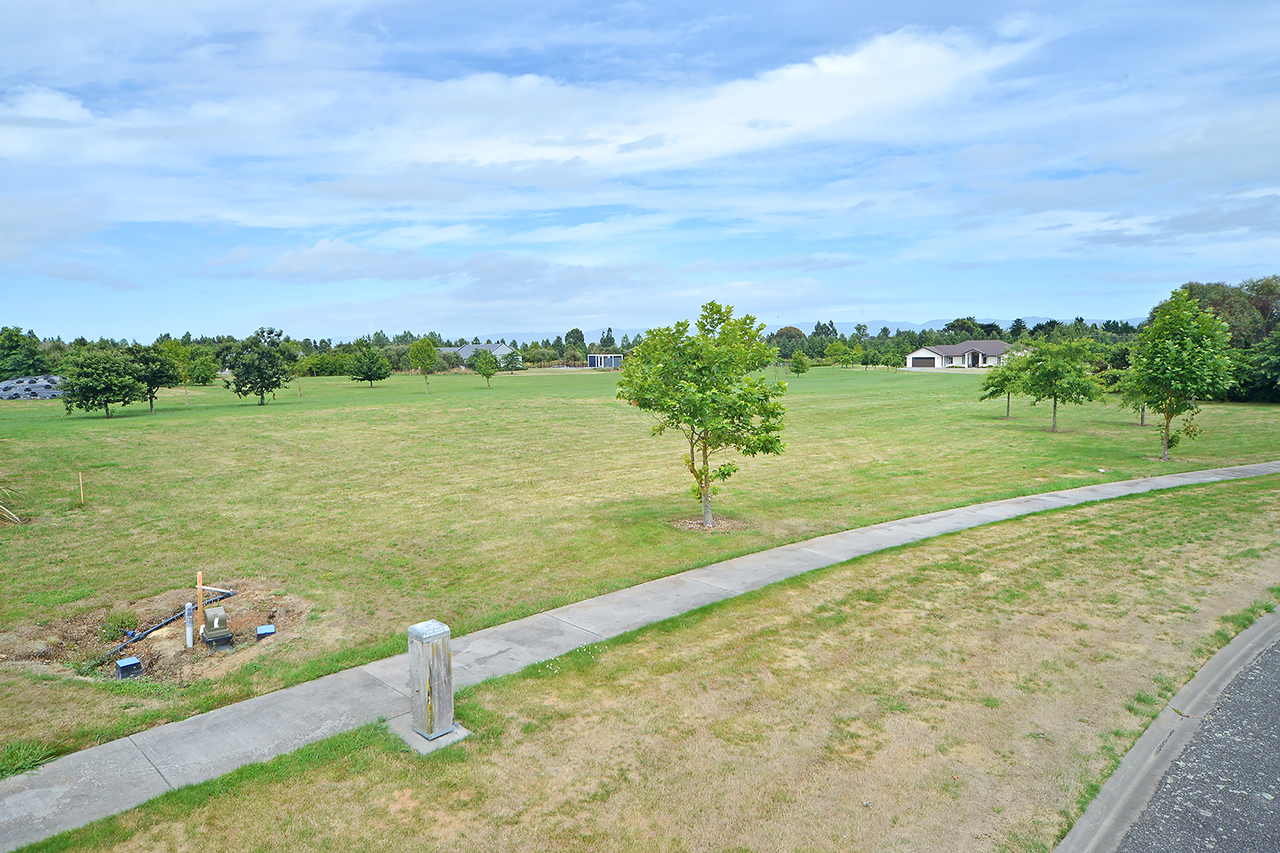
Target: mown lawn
{"x": 381, "y": 507}
{"x": 967, "y": 693}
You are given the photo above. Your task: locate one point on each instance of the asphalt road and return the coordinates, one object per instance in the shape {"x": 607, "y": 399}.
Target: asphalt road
{"x": 1223, "y": 792}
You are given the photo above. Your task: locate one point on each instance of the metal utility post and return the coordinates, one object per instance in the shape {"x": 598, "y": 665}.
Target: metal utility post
{"x": 431, "y": 679}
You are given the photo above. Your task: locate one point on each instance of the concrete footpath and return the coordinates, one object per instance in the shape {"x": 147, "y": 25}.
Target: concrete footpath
{"x": 104, "y": 780}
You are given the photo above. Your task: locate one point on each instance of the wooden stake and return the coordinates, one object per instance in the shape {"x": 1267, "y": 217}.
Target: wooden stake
{"x": 200, "y": 602}
{"x": 81, "y": 488}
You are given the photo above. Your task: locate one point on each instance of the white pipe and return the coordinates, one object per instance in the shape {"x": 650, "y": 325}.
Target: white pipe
{"x": 190, "y": 624}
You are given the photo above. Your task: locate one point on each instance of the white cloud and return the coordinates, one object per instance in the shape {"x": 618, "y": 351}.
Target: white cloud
{"x": 36, "y": 105}
{"x": 337, "y": 260}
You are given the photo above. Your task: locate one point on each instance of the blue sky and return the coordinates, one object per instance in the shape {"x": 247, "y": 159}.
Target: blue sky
{"x": 490, "y": 168}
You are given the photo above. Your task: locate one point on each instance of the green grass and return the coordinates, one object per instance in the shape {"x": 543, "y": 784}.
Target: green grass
{"x": 474, "y": 506}
{"x": 762, "y": 723}
{"x": 22, "y": 755}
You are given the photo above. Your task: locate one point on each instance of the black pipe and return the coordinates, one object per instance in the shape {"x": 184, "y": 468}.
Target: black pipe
{"x": 136, "y": 637}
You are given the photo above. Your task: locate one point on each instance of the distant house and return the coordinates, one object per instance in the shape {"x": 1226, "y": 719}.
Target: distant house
{"x": 966, "y": 355}
{"x": 604, "y": 359}
{"x": 500, "y": 351}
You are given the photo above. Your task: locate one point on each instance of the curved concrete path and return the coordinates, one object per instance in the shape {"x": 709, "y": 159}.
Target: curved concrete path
{"x": 104, "y": 780}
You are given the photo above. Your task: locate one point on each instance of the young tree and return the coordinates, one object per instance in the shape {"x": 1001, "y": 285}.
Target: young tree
{"x": 257, "y": 365}
{"x": 155, "y": 370}
{"x": 799, "y": 364}
{"x": 702, "y": 385}
{"x": 1181, "y": 357}
{"x": 484, "y": 363}
{"x": 423, "y": 355}
{"x": 367, "y": 363}
{"x": 511, "y": 362}
{"x": 94, "y": 379}
{"x": 180, "y": 354}
{"x": 838, "y": 353}
{"x": 1004, "y": 380}
{"x": 1058, "y": 372}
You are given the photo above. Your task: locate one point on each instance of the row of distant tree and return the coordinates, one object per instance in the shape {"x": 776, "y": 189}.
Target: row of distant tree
{"x": 1250, "y": 309}
{"x": 1182, "y": 355}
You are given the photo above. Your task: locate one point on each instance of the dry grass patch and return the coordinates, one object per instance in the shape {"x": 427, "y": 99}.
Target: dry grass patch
{"x": 962, "y": 694}
{"x": 380, "y": 507}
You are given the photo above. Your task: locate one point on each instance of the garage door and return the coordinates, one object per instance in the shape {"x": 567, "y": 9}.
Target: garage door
{"x": 917, "y": 361}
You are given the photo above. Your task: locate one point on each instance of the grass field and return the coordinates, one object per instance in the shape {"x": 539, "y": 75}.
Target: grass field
{"x": 967, "y": 693}
{"x": 377, "y": 508}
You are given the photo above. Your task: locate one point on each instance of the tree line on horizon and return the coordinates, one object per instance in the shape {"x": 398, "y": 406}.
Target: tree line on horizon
{"x": 1251, "y": 311}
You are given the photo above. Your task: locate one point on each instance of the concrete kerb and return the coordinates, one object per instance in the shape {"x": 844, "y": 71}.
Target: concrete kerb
{"x": 49, "y": 800}
{"x": 1130, "y": 788}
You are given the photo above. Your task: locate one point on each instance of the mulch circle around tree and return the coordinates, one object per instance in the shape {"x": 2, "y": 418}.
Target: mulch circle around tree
{"x": 719, "y": 525}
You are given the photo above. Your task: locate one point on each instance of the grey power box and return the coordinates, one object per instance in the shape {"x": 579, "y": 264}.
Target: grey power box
{"x": 215, "y": 630}
{"x": 431, "y": 679}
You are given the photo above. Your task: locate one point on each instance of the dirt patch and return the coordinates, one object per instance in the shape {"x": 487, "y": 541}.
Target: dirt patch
{"x": 720, "y": 525}
{"x": 77, "y": 639}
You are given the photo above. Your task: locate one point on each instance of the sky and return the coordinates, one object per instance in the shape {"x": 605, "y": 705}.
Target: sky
{"x": 335, "y": 167}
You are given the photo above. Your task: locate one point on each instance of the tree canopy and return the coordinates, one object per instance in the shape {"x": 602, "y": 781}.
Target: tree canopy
{"x": 799, "y": 364}
{"x": 258, "y": 365}
{"x": 423, "y": 355}
{"x": 367, "y": 363}
{"x": 1181, "y": 357}
{"x": 155, "y": 369}
{"x": 702, "y": 386}
{"x": 486, "y": 364}
{"x": 1004, "y": 380}
{"x": 20, "y": 354}
{"x": 98, "y": 378}
{"x": 1058, "y": 372}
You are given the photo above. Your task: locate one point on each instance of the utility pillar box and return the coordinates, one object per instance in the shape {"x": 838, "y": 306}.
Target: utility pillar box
{"x": 215, "y": 630}
{"x": 431, "y": 679}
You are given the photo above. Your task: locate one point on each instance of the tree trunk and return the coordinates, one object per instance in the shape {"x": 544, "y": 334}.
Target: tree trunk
{"x": 1142, "y": 415}
{"x": 427, "y": 384}
{"x": 705, "y": 481}
{"x": 152, "y": 402}
{"x": 1008, "y": 405}
{"x": 1055, "y": 415}
{"x": 1164, "y": 439}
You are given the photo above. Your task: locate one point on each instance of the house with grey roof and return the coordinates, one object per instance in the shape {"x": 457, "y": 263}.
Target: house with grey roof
{"x": 500, "y": 351}
{"x": 966, "y": 355}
